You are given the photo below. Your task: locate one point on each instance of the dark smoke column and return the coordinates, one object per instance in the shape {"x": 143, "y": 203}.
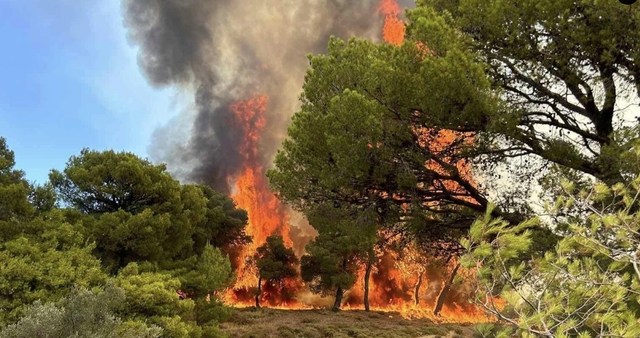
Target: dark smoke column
{"x": 176, "y": 40}
{"x": 224, "y": 51}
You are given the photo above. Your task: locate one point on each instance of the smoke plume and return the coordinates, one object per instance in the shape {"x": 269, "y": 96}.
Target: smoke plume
{"x": 226, "y": 50}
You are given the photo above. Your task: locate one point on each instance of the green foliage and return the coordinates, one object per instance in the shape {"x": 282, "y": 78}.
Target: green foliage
{"x": 561, "y": 67}
{"x": 587, "y": 286}
{"x": 210, "y": 272}
{"x": 200, "y": 277}
{"x": 333, "y": 257}
{"x": 14, "y": 189}
{"x": 122, "y": 238}
{"x": 354, "y": 145}
{"x": 152, "y": 297}
{"x": 43, "y": 198}
{"x": 130, "y": 204}
{"x": 275, "y": 262}
{"x": 354, "y": 140}
{"x": 137, "y": 212}
{"x": 100, "y": 182}
{"x": 122, "y": 309}
{"x": 41, "y": 259}
{"x": 81, "y": 313}
{"x": 222, "y": 223}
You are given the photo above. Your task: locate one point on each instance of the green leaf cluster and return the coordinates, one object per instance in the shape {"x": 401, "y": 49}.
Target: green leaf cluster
{"x": 586, "y": 286}
{"x": 335, "y": 255}
{"x": 135, "y": 211}
{"x": 81, "y": 313}
{"x": 41, "y": 259}
{"x": 275, "y": 262}
{"x": 124, "y": 221}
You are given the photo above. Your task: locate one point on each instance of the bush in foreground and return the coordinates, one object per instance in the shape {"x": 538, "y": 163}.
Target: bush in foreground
{"x": 82, "y": 313}
{"x": 587, "y": 286}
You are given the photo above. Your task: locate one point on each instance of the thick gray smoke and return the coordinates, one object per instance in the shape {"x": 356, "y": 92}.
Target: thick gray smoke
{"x": 224, "y": 51}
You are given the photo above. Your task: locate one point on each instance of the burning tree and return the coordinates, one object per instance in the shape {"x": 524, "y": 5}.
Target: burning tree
{"x": 396, "y": 91}
{"x": 276, "y": 264}
{"x": 416, "y": 260}
{"x": 348, "y": 148}
{"x": 396, "y": 129}
{"x": 234, "y": 132}
{"x": 335, "y": 255}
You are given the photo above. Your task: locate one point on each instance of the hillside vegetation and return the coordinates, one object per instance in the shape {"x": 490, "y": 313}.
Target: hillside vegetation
{"x": 498, "y": 147}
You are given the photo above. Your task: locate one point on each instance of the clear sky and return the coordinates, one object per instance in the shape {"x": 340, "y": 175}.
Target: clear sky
{"x": 69, "y": 79}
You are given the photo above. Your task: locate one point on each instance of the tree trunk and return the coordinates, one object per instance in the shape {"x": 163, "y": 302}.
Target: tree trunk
{"x": 445, "y": 290}
{"x": 367, "y": 275}
{"x": 416, "y": 291}
{"x": 259, "y": 292}
{"x": 336, "y": 304}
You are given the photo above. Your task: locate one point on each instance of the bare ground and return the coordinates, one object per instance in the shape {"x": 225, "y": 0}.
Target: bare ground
{"x": 264, "y": 323}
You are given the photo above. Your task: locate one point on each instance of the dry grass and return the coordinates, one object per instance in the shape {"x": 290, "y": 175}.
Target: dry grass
{"x": 265, "y": 323}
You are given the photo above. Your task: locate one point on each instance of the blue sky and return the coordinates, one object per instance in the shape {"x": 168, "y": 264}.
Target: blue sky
{"x": 69, "y": 79}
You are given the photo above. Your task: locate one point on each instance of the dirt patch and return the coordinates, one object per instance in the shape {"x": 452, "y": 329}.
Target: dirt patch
{"x": 265, "y": 323}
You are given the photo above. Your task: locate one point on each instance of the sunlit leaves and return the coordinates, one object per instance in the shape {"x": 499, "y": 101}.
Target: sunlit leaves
{"x": 81, "y": 313}
{"x": 41, "y": 262}
{"x": 585, "y": 287}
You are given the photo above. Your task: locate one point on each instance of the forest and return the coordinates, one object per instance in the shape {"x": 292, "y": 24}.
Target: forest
{"x": 484, "y": 157}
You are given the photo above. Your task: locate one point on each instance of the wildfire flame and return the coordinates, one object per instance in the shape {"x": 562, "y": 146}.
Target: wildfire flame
{"x": 393, "y": 29}
{"x": 394, "y": 283}
{"x": 266, "y": 213}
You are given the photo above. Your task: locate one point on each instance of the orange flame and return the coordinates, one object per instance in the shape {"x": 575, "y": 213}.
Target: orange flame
{"x": 265, "y": 212}
{"x": 440, "y": 143}
{"x": 393, "y": 29}
{"x": 393, "y": 279}
{"x": 393, "y": 32}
